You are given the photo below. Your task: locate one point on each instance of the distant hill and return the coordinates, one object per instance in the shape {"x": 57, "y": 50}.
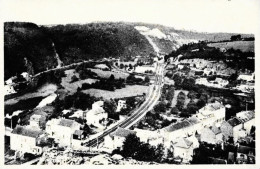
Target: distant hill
{"x": 32, "y": 48}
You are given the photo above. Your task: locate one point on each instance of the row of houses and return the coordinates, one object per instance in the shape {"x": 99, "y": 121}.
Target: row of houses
{"x": 207, "y": 125}
{"x": 34, "y": 137}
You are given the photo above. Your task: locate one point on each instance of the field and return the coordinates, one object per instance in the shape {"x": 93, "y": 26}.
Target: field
{"x": 72, "y": 87}
{"x": 128, "y": 91}
{"x": 244, "y": 46}
{"x": 107, "y": 74}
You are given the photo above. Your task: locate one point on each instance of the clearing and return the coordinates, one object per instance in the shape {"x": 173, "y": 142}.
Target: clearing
{"x": 244, "y": 46}
{"x": 128, "y": 91}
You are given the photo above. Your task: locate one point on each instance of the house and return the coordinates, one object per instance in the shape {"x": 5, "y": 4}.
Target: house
{"x": 78, "y": 114}
{"x": 121, "y": 105}
{"x": 238, "y": 126}
{"x": 62, "y": 130}
{"x": 182, "y": 148}
{"x": 97, "y": 115}
{"x": 26, "y": 76}
{"x": 77, "y": 136}
{"x": 211, "y": 114}
{"x": 25, "y": 140}
{"x": 8, "y": 89}
{"x": 116, "y": 139}
{"x": 184, "y": 128}
{"x": 10, "y": 80}
{"x": 246, "y": 77}
{"x": 154, "y": 138}
{"x": 211, "y": 135}
{"x": 245, "y": 155}
{"x": 37, "y": 121}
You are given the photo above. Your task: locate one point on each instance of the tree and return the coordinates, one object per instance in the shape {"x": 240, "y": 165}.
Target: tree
{"x": 131, "y": 146}
{"x": 111, "y": 78}
{"x": 110, "y": 107}
{"x": 170, "y": 94}
{"x": 175, "y": 110}
{"x": 184, "y": 113}
{"x": 122, "y": 66}
{"x": 160, "y": 107}
{"x": 146, "y": 79}
{"x": 74, "y": 78}
{"x": 192, "y": 107}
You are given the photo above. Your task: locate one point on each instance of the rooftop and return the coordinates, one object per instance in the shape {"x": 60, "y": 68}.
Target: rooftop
{"x": 246, "y": 115}
{"x": 78, "y": 132}
{"x": 66, "y": 122}
{"x": 121, "y": 132}
{"x": 234, "y": 121}
{"x": 177, "y": 126}
{"x": 21, "y": 130}
{"x": 183, "y": 143}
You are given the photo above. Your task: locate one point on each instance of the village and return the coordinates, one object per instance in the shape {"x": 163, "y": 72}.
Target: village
{"x": 185, "y": 138}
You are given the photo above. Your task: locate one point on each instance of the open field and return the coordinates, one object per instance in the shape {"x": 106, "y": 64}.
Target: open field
{"x": 107, "y": 74}
{"x": 245, "y": 46}
{"x": 44, "y": 91}
{"x": 72, "y": 87}
{"x": 128, "y": 91}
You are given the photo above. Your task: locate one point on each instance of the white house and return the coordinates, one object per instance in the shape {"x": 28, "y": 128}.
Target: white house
{"x": 239, "y": 126}
{"x": 154, "y": 138}
{"x": 212, "y": 113}
{"x": 116, "y": 139}
{"x": 25, "y": 140}
{"x": 26, "y": 76}
{"x": 8, "y": 89}
{"x": 97, "y": 114}
{"x": 36, "y": 121}
{"x": 121, "y": 105}
{"x": 62, "y": 130}
{"x": 182, "y": 148}
{"x": 246, "y": 77}
{"x": 181, "y": 129}
{"x": 211, "y": 135}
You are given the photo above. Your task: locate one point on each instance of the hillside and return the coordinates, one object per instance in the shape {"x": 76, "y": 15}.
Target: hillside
{"x": 32, "y": 48}
{"x": 26, "y": 42}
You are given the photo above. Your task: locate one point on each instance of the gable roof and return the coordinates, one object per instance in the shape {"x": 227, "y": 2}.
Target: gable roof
{"x": 234, "y": 121}
{"x": 66, "y": 122}
{"x": 22, "y": 130}
{"x": 78, "y": 132}
{"x": 183, "y": 143}
{"x": 245, "y": 116}
{"x": 177, "y": 126}
{"x": 121, "y": 132}
{"x": 215, "y": 130}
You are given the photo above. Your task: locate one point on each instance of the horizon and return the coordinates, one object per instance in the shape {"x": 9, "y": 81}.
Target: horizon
{"x": 214, "y": 16}
{"x": 183, "y": 29}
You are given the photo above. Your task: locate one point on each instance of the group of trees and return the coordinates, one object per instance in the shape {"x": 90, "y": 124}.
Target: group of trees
{"x": 138, "y": 150}
{"x": 105, "y": 84}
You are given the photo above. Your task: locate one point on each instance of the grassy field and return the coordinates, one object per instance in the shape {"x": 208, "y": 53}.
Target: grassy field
{"x": 119, "y": 93}
{"x": 72, "y": 87}
{"x": 107, "y": 74}
{"x": 44, "y": 91}
{"x": 244, "y": 46}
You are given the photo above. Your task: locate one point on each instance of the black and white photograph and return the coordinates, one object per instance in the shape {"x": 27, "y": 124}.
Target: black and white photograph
{"x": 129, "y": 82}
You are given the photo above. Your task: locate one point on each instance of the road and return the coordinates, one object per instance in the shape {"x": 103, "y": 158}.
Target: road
{"x": 140, "y": 112}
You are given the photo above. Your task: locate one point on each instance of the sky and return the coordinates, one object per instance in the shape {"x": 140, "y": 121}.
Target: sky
{"x": 237, "y": 16}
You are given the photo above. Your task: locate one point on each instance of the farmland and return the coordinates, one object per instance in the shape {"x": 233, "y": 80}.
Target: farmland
{"x": 244, "y": 46}
{"x": 128, "y": 91}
